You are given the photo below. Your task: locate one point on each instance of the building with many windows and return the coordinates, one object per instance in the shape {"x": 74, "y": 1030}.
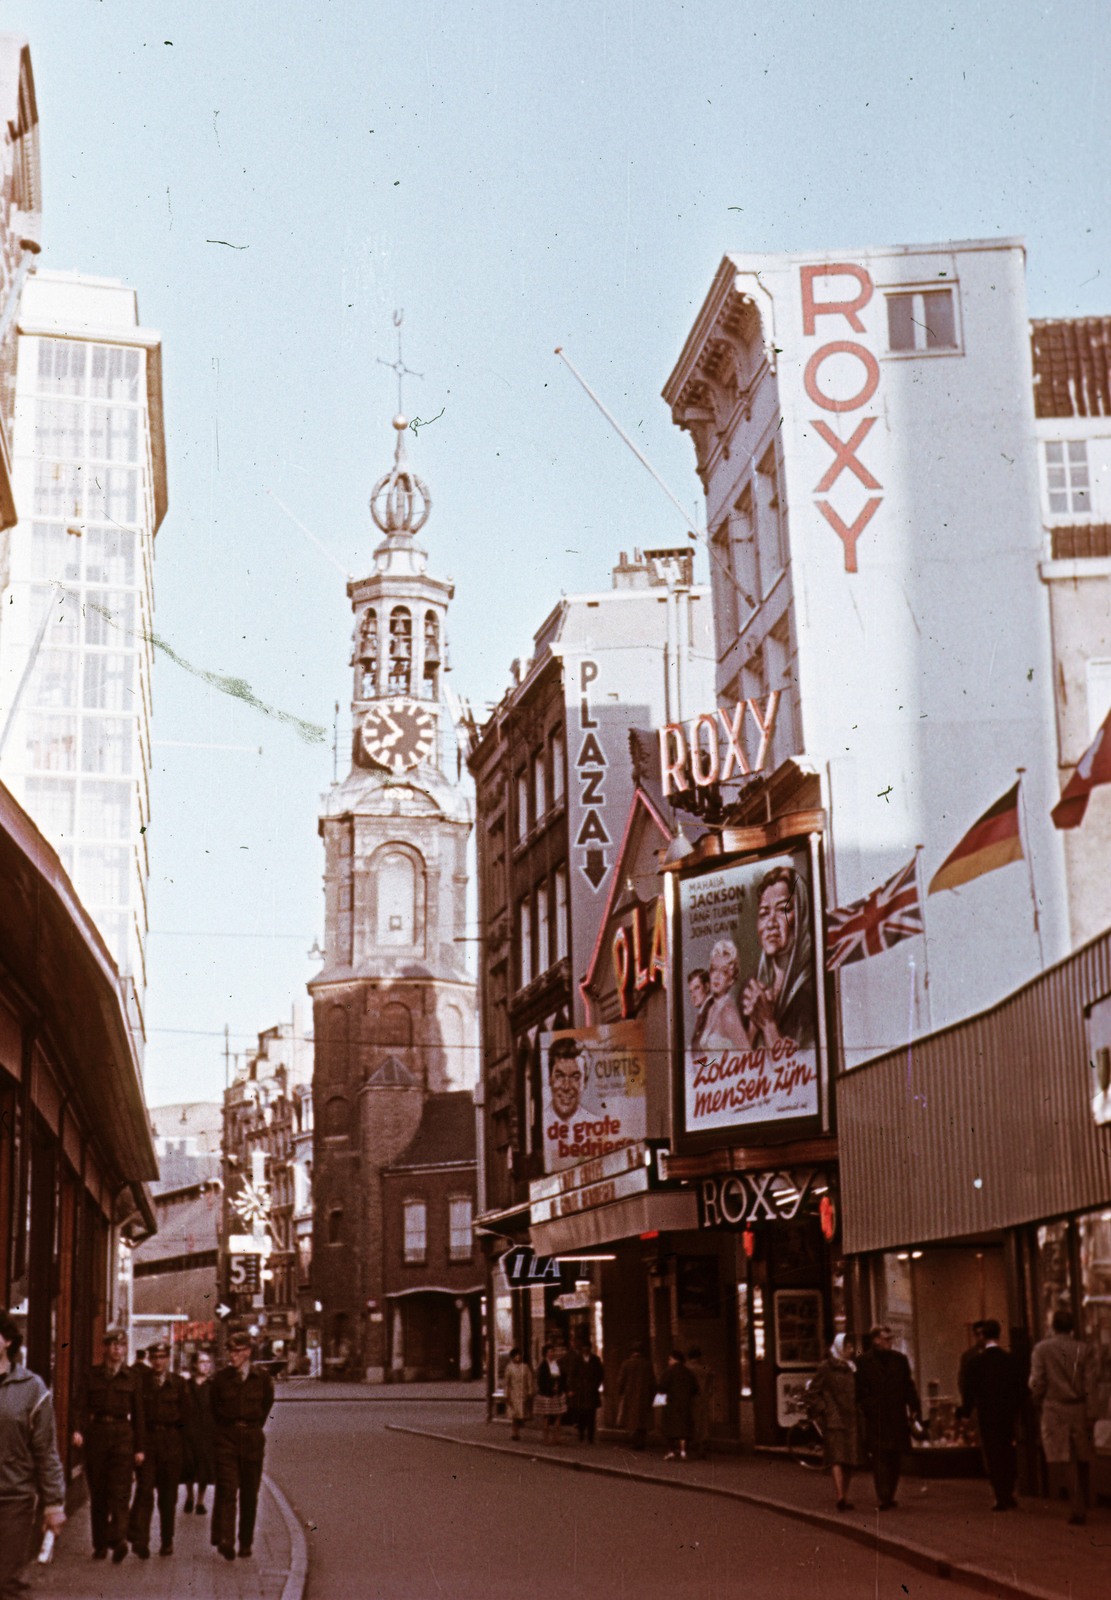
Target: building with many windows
{"x": 75, "y": 648}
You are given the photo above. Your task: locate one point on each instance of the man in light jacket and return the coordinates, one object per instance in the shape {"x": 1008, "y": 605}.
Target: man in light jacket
{"x": 1062, "y": 1377}
{"x": 29, "y": 1466}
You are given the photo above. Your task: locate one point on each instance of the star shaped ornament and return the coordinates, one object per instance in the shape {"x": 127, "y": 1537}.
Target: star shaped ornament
{"x": 399, "y": 734}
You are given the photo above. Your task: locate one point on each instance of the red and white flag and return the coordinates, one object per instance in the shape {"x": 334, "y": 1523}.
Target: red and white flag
{"x": 1093, "y": 768}
{"x": 869, "y": 926}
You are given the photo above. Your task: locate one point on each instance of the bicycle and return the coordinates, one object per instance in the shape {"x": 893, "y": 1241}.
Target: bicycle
{"x": 806, "y": 1445}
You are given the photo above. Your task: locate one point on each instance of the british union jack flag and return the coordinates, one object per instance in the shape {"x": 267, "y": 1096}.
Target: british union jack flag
{"x": 869, "y": 926}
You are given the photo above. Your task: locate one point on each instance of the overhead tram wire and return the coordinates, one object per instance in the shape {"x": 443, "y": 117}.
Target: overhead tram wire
{"x": 694, "y": 531}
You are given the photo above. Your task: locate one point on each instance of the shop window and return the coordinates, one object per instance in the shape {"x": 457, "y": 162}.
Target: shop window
{"x": 459, "y": 1224}
{"x": 416, "y": 1232}
{"x": 1095, "y": 1311}
{"x": 1066, "y": 476}
{"x": 924, "y": 321}
{"x": 1054, "y": 1277}
{"x": 401, "y": 650}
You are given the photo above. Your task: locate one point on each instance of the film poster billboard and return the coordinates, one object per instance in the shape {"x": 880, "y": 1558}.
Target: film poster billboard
{"x": 747, "y": 1005}
{"x": 593, "y": 1084}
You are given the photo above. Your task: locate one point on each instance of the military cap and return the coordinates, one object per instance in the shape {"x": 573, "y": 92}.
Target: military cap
{"x": 240, "y": 1341}
{"x": 114, "y": 1336}
{"x": 159, "y": 1349}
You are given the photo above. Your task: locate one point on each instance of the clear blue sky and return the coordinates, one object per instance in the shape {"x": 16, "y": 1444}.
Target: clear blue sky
{"x": 516, "y": 176}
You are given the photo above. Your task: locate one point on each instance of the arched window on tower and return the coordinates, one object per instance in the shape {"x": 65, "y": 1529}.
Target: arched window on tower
{"x": 431, "y": 686}
{"x": 401, "y": 650}
{"x": 397, "y": 899}
{"x": 366, "y": 666}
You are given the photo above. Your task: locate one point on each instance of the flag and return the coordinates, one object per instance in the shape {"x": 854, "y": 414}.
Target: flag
{"x": 1093, "y": 768}
{"x": 881, "y": 919}
{"x": 992, "y": 841}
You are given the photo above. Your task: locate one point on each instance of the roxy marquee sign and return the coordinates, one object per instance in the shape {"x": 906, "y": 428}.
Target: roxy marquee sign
{"x": 708, "y": 749}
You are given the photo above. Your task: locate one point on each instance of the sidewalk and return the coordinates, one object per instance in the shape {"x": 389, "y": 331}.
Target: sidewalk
{"x": 276, "y": 1571}
{"x": 944, "y": 1526}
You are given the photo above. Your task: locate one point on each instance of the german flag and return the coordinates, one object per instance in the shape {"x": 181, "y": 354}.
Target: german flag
{"x": 992, "y": 841}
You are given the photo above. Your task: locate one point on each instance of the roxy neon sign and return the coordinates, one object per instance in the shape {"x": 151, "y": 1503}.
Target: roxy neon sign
{"x": 697, "y": 754}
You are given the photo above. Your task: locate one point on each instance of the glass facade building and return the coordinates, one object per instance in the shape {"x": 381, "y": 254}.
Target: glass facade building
{"x": 75, "y": 639}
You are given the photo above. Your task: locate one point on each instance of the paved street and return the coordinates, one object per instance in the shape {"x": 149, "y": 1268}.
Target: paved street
{"x": 393, "y": 1517}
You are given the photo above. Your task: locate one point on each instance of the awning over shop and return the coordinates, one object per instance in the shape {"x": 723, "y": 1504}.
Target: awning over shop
{"x": 653, "y": 1212}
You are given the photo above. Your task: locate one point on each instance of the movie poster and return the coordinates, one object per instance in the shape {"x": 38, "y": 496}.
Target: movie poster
{"x": 748, "y": 1008}
{"x": 593, "y": 1084}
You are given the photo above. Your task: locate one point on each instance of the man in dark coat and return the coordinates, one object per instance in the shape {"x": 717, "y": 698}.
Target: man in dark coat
{"x": 110, "y": 1427}
{"x": 584, "y": 1384}
{"x": 241, "y": 1401}
{"x": 636, "y": 1385}
{"x": 994, "y": 1389}
{"x": 680, "y": 1387}
{"x": 888, "y": 1399}
{"x": 164, "y": 1403}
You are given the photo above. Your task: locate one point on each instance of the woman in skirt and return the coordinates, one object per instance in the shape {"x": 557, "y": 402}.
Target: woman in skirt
{"x": 549, "y": 1403}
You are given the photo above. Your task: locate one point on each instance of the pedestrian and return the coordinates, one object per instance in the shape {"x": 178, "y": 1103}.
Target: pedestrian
{"x": 704, "y": 1402}
{"x": 967, "y": 1357}
{"x": 110, "y": 1428}
{"x": 241, "y": 1402}
{"x": 30, "y": 1469}
{"x": 519, "y": 1390}
{"x": 994, "y": 1389}
{"x": 832, "y": 1391}
{"x": 636, "y": 1384}
{"x": 584, "y": 1385}
{"x": 549, "y": 1402}
{"x": 679, "y": 1386}
{"x": 200, "y": 1433}
{"x": 164, "y": 1404}
{"x": 888, "y": 1399}
{"x": 1063, "y": 1381}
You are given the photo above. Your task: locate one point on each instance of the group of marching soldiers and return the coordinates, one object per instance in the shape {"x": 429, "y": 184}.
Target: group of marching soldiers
{"x": 148, "y": 1424}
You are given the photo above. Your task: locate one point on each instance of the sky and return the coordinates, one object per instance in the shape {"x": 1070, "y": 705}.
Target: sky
{"x": 276, "y": 180}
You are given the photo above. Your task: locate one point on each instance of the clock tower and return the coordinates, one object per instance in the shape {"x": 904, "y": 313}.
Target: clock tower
{"x": 394, "y": 1010}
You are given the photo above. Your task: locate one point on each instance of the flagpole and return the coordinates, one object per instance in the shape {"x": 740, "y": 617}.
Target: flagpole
{"x": 925, "y": 941}
{"x": 1030, "y": 863}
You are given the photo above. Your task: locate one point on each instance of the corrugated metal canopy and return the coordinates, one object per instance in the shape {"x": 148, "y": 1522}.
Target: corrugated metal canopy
{"x": 985, "y": 1125}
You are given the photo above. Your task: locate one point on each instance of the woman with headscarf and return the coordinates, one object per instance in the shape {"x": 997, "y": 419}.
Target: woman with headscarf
{"x": 832, "y": 1393}
{"x": 778, "y": 1003}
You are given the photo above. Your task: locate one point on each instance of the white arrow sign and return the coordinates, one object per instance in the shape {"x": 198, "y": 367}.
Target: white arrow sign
{"x": 222, "y": 1310}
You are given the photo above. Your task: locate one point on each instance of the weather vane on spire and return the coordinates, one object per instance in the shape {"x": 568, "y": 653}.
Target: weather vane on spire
{"x": 399, "y": 366}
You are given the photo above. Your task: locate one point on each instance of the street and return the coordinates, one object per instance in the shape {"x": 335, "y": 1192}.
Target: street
{"x": 392, "y": 1517}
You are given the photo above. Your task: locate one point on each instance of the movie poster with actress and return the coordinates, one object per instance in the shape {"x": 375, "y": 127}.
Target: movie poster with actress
{"x": 748, "y": 1007}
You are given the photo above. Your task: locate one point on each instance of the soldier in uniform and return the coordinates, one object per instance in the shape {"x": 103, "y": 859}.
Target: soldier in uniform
{"x": 110, "y": 1428}
{"x": 241, "y": 1400}
{"x": 164, "y": 1409}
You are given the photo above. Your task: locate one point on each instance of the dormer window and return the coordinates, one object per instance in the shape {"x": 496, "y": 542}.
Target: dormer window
{"x": 401, "y": 650}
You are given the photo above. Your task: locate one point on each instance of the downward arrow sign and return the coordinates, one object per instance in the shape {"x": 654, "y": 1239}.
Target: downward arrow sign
{"x": 595, "y": 867}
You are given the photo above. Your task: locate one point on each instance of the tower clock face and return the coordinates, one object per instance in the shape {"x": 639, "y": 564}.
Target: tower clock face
{"x": 399, "y": 733}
